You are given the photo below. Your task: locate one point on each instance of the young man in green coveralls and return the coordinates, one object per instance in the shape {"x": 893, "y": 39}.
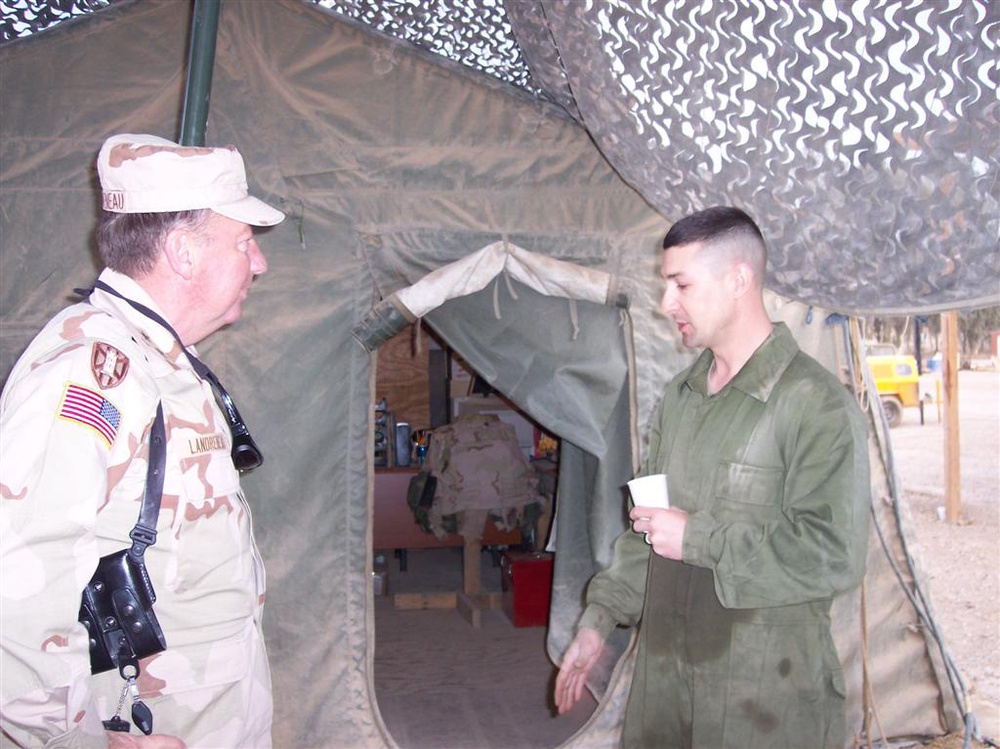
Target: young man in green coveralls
{"x": 767, "y": 458}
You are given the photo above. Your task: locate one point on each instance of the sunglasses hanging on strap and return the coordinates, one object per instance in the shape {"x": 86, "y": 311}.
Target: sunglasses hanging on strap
{"x": 245, "y": 453}
{"x": 117, "y": 604}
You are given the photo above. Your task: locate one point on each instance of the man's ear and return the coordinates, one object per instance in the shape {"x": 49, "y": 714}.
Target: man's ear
{"x": 743, "y": 279}
{"x": 178, "y": 248}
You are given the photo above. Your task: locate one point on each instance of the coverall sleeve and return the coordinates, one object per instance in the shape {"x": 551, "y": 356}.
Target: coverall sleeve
{"x": 800, "y": 532}
{"x": 53, "y": 481}
{"x": 615, "y": 596}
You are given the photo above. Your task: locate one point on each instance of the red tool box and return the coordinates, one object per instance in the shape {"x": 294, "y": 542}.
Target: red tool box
{"x": 527, "y": 587}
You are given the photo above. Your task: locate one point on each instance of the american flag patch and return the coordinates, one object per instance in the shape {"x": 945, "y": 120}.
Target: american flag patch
{"x": 91, "y": 409}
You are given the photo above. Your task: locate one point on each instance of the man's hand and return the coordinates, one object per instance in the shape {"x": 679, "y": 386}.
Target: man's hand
{"x": 581, "y": 655}
{"x": 664, "y": 529}
{"x": 121, "y": 740}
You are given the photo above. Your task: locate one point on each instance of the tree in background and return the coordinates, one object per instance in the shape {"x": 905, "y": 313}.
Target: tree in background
{"x": 975, "y": 329}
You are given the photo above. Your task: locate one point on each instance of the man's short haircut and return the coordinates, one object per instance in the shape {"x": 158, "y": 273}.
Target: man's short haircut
{"x": 130, "y": 243}
{"x": 727, "y": 232}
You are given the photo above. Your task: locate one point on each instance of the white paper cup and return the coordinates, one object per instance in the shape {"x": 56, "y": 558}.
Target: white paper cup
{"x": 650, "y": 491}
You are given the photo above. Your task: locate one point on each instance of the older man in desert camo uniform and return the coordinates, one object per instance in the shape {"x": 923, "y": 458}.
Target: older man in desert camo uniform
{"x": 75, "y": 421}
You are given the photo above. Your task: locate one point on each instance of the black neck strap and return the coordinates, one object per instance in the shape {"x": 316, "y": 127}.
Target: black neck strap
{"x": 246, "y": 454}
{"x": 199, "y": 366}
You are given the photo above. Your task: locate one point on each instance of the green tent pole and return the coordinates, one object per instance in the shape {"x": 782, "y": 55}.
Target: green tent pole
{"x": 201, "y": 61}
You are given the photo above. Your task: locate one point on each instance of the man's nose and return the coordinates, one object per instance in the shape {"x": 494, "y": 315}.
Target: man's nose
{"x": 668, "y": 302}
{"x": 258, "y": 263}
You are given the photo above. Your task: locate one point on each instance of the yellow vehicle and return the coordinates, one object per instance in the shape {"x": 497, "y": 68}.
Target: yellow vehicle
{"x": 898, "y": 383}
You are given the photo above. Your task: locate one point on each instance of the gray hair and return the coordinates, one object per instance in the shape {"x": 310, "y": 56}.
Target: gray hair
{"x": 130, "y": 243}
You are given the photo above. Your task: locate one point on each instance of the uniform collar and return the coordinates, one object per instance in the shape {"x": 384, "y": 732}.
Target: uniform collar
{"x": 760, "y": 374}
{"x": 155, "y": 333}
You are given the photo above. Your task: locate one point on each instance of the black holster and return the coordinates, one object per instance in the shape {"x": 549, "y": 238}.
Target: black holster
{"x": 117, "y": 610}
{"x": 116, "y": 607}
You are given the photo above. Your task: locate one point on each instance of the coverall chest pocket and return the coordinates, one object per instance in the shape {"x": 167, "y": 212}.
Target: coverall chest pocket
{"x": 749, "y": 493}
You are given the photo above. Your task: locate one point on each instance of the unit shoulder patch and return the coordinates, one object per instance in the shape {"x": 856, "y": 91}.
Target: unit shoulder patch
{"x": 108, "y": 364}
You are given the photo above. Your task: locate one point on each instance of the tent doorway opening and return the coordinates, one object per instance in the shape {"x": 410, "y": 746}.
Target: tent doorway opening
{"x": 460, "y": 612}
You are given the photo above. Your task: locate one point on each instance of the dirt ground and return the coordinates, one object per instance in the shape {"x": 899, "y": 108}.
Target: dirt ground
{"x": 961, "y": 561}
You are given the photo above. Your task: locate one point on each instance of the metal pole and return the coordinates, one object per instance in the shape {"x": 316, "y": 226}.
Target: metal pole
{"x": 920, "y": 364}
{"x": 201, "y": 62}
{"x": 952, "y": 452}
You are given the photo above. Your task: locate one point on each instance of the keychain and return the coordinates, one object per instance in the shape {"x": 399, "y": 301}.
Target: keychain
{"x": 116, "y": 723}
{"x": 142, "y": 716}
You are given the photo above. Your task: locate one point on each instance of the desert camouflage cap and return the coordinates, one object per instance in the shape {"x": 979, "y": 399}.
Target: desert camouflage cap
{"x": 149, "y": 174}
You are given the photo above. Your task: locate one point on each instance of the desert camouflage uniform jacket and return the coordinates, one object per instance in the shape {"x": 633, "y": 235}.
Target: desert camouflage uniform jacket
{"x": 480, "y": 472}
{"x": 75, "y": 418}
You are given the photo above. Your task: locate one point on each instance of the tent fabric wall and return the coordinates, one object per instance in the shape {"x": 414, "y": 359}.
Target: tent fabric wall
{"x": 389, "y": 166}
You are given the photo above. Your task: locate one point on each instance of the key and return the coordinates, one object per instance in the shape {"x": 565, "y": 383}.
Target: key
{"x": 142, "y": 717}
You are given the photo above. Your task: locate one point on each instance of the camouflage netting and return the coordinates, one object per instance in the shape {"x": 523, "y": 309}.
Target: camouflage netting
{"x": 864, "y": 137}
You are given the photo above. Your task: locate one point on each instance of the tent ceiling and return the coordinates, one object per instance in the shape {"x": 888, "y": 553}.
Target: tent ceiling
{"x": 865, "y": 137}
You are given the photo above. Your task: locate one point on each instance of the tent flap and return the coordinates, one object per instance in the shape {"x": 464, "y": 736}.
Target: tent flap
{"x": 472, "y": 273}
